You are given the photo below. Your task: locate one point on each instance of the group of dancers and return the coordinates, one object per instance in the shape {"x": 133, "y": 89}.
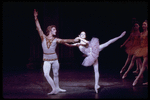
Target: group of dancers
{"x": 90, "y": 48}
{"x": 136, "y": 46}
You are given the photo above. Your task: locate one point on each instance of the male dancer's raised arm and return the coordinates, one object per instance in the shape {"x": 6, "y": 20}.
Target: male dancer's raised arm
{"x": 38, "y": 27}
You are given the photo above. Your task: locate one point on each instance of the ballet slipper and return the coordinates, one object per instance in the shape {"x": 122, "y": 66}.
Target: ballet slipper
{"x": 96, "y": 88}
{"x": 53, "y": 92}
{"x": 122, "y": 70}
{"x": 124, "y": 76}
{"x": 135, "y": 82}
{"x": 62, "y": 90}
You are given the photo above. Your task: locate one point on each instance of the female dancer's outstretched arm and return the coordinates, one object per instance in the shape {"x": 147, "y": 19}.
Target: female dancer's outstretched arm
{"x": 104, "y": 45}
{"x": 82, "y": 42}
{"x": 126, "y": 41}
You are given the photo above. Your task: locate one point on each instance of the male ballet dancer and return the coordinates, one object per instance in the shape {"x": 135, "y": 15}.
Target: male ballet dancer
{"x": 49, "y": 43}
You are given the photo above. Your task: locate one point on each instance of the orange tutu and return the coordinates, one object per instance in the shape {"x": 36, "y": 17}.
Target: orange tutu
{"x": 132, "y": 45}
{"x": 131, "y": 50}
{"x": 141, "y": 52}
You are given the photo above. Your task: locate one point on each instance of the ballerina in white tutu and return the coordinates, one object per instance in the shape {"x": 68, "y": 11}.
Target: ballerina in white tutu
{"x": 92, "y": 49}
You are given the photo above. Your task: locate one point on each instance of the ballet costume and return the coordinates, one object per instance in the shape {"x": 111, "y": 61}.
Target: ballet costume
{"x": 133, "y": 44}
{"x": 51, "y": 60}
{"x": 92, "y": 52}
{"x": 142, "y": 51}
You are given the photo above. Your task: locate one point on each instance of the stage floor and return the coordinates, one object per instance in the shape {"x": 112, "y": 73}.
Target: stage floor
{"x": 78, "y": 83}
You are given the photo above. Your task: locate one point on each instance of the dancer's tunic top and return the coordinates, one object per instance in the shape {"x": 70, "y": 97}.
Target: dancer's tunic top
{"x": 133, "y": 44}
{"x": 92, "y": 52}
{"x": 143, "y": 50}
{"x": 49, "y": 46}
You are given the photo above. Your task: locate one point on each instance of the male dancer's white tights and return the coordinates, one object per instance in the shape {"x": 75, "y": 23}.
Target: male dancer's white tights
{"x": 54, "y": 83}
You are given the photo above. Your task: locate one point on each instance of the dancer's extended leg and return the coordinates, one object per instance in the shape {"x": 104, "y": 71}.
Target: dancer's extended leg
{"x": 126, "y": 63}
{"x": 130, "y": 67}
{"x": 104, "y": 45}
{"x": 46, "y": 70}
{"x": 145, "y": 61}
{"x": 96, "y": 71}
{"x": 55, "y": 68}
{"x": 138, "y": 65}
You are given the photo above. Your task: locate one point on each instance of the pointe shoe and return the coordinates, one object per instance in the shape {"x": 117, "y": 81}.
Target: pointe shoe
{"x": 135, "y": 82}
{"x": 122, "y": 34}
{"x": 122, "y": 70}
{"x": 96, "y": 88}
{"x": 124, "y": 76}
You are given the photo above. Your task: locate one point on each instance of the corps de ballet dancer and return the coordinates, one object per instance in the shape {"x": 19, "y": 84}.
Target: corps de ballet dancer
{"x": 91, "y": 49}
{"x": 131, "y": 45}
{"x": 142, "y": 51}
{"x": 49, "y": 43}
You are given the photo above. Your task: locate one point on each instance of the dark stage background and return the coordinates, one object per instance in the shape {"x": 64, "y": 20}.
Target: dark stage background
{"x": 22, "y": 48}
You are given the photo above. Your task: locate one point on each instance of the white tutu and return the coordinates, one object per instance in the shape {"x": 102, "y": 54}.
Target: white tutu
{"x": 92, "y": 52}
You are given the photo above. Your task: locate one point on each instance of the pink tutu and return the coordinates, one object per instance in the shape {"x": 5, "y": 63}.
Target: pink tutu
{"x": 92, "y": 52}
